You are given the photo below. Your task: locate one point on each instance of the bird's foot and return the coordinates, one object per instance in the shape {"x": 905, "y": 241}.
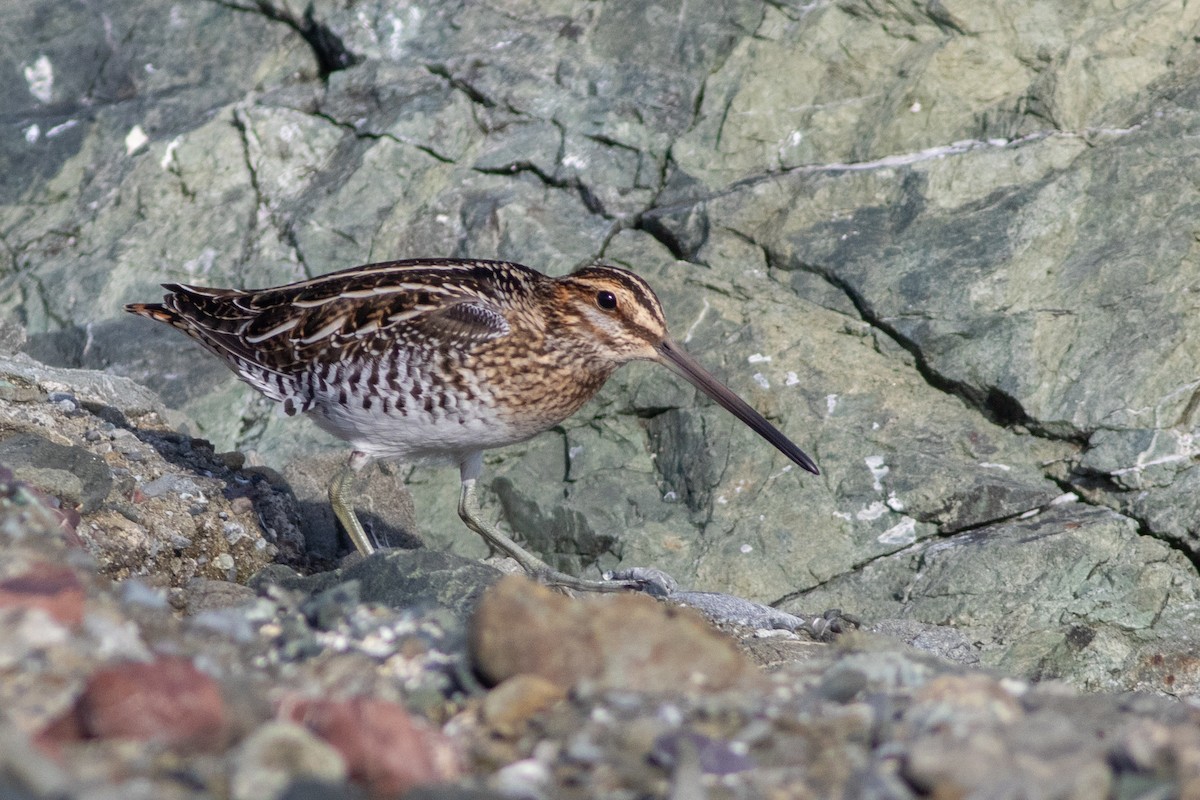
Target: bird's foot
{"x": 549, "y": 576}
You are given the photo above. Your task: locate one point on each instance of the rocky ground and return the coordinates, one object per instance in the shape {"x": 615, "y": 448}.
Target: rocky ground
{"x": 950, "y": 248}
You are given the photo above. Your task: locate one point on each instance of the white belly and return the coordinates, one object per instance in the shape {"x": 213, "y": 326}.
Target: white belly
{"x": 417, "y": 435}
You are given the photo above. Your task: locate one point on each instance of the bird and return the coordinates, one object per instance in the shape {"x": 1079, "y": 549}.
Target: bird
{"x": 440, "y": 359}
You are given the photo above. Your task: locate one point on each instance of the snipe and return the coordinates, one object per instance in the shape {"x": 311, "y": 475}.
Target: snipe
{"x": 441, "y": 359}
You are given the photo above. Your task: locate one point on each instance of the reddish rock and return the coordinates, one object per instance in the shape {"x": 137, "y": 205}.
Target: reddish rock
{"x": 53, "y": 588}
{"x": 167, "y": 701}
{"x": 385, "y": 749}
{"x": 625, "y": 641}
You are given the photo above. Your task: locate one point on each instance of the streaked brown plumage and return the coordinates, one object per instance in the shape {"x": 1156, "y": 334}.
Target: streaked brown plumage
{"x": 441, "y": 358}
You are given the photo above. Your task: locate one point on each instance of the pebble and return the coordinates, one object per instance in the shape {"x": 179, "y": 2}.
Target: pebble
{"x": 63, "y": 401}
{"x": 52, "y": 588}
{"x": 509, "y": 706}
{"x": 963, "y": 700}
{"x": 29, "y": 637}
{"x": 176, "y": 484}
{"x": 385, "y": 749}
{"x": 25, "y": 771}
{"x": 277, "y": 755}
{"x": 205, "y": 594}
{"x": 714, "y": 756}
{"x": 167, "y": 701}
{"x": 527, "y": 780}
{"x": 227, "y": 565}
{"x": 230, "y": 623}
{"x": 138, "y": 593}
{"x": 520, "y": 628}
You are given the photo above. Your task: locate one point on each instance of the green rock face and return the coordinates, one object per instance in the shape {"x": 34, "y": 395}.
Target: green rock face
{"x": 949, "y": 248}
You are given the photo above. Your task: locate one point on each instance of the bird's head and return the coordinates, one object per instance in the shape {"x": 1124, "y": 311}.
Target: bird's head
{"x": 614, "y": 310}
{"x": 617, "y": 318}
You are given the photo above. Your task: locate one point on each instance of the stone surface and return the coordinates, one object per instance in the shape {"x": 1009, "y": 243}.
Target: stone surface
{"x": 75, "y": 476}
{"x": 1074, "y": 593}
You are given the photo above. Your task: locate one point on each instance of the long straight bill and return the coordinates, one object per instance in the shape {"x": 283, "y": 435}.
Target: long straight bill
{"x": 698, "y": 376}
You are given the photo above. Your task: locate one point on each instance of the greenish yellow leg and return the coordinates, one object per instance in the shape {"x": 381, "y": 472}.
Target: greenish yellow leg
{"x": 470, "y": 512}
{"x": 343, "y": 482}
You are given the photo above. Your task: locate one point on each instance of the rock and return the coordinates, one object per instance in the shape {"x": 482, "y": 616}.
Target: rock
{"x": 208, "y": 595}
{"x": 26, "y": 512}
{"x": 384, "y": 749}
{"x": 279, "y": 754}
{"x": 166, "y": 701}
{"x": 73, "y": 474}
{"x": 943, "y": 641}
{"x": 97, "y": 389}
{"x": 452, "y": 793}
{"x": 27, "y": 772}
{"x": 12, "y": 337}
{"x": 31, "y": 633}
{"x": 1166, "y": 751}
{"x": 158, "y": 502}
{"x": 528, "y": 778}
{"x": 382, "y": 502}
{"x": 975, "y": 700}
{"x": 305, "y": 789}
{"x": 619, "y": 641}
{"x": 711, "y": 756}
{"x": 52, "y": 588}
{"x": 512, "y": 703}
{"x": 1052, "y": 597}
{"x": 421, "y": 649}
{"x": 403, "y": 579}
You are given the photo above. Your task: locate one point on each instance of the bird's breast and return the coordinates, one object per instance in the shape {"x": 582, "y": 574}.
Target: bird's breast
{"x": 410, "y": 404}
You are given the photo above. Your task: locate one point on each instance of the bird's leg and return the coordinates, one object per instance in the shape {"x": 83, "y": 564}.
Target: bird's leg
{"x": 468, "y": 509}
{"x": 342, "y": 482}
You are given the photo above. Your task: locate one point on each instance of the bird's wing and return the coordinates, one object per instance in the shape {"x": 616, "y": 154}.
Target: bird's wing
{"x": 293, "y": 333}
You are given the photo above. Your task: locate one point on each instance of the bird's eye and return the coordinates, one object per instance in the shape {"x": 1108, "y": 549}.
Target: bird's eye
{"x": 606, "y": 300}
